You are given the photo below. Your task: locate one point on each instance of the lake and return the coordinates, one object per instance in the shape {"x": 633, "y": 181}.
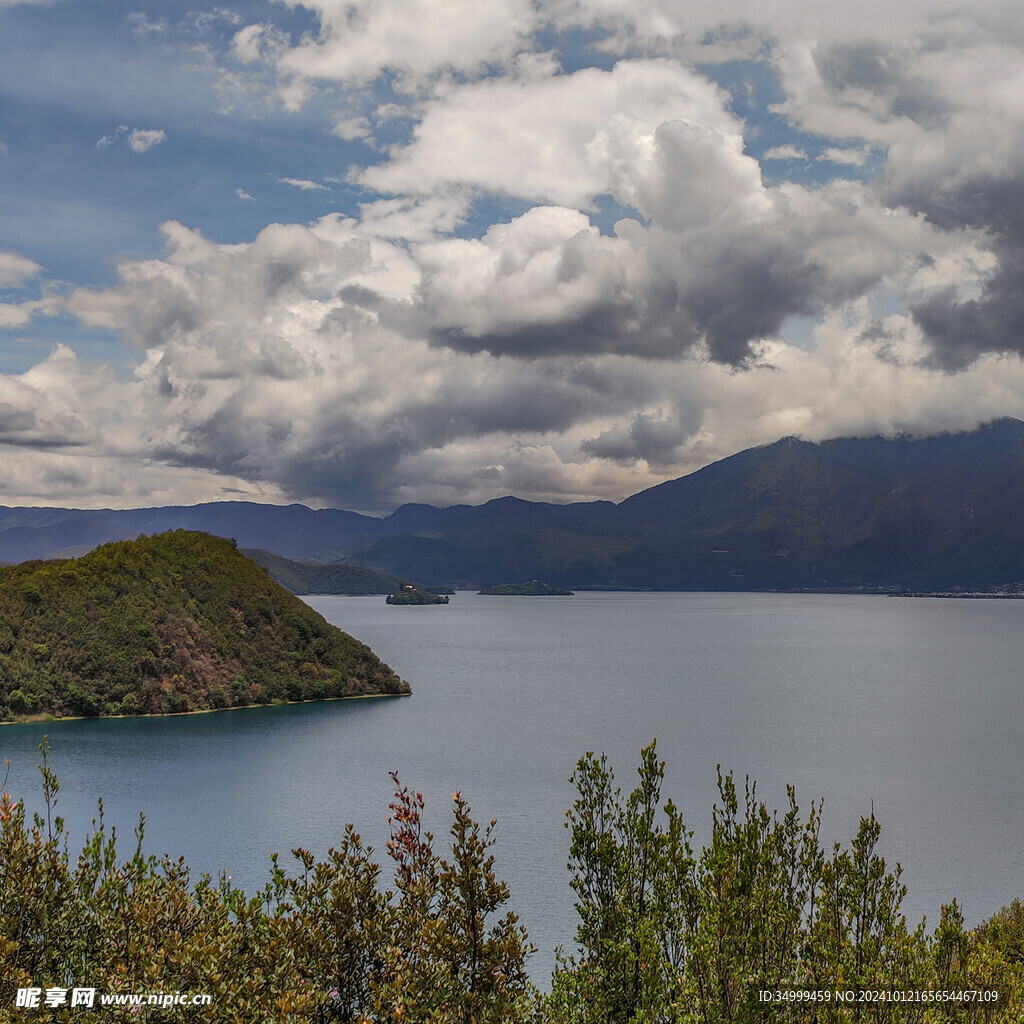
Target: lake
{"x": 911, "y": 706}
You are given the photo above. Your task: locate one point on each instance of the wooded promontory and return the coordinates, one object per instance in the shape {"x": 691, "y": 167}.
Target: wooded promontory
{"x": 172, "y": 623}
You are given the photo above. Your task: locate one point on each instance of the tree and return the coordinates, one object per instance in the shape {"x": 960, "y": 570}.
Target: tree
{"x": 444, "y": 959}
{"x": 632, "y": 874}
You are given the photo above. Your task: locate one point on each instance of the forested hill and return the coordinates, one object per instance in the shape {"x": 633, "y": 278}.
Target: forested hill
{"x": 329, "y": 578}
{"x": 178, "y": 622}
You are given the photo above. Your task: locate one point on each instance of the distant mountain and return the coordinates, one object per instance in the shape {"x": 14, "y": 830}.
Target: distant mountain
{"x": 504, "y": 539}
{"x": 293, "y": 531}
{"x": 330, "y": 578}
{"x": 930, "y": 513}
{"x": 177, "y": 622}
{"x": 933, "y": 512}
{"x": 939, "y": 512}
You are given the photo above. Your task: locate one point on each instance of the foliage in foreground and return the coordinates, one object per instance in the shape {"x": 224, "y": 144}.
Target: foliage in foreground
{"x": 664, "y": 934}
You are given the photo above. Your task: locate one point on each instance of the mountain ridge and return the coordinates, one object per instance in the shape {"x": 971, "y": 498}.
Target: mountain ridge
{"x": 849, "y": 513}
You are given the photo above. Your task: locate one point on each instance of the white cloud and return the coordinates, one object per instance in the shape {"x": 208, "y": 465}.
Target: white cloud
{"x": 305, "y": 184}
{"x": 258, "y": 42}
{"x": 849, "y": 157}
{"x": 416, "y": 39}
{"x": 142, "y": 139}
{"x": 350, "y": 128}
{"x": 109, "y": 140}
{"x": 263, "y": 376}
{"x": 242, "y": 194}
{"x": 14, "y": 315}
{"x": 374, "y": 357}
{"x": 415, "y": 218}
{"x": 142, "y": 26}
{"x": 202, "y": 21}
{"x": 138, "y": 139}
{"x": 308, "y": 362}
{"x": 544, "y": 268}
{"x": 786, "y": 152}
{"x": 15, "y": 268}
{"x": 562, "y": 140}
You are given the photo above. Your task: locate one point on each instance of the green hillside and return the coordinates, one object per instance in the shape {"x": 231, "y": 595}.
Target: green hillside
{"x": 331, "y": 577}
{"x": 178, "y": 622}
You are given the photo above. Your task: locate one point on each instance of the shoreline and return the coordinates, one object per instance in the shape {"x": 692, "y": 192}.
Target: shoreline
{"x": 51, "y": 719}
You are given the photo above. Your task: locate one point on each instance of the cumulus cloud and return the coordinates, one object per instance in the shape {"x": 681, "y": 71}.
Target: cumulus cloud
{"x": 272, "y": 365}
{"x": 414, "y": 39}
{"x": 268, "y": 362}
{"x": 142, "y": 139}
{"x": 307, "y": 362}
{"x": 561, "y": 139}
{"x": 142, "y": 26}
{"x": 945, "y": 105}
{"x": 15, "y": 268}
{"x": 15, "y": 314}
{"x": 650, "y": 437}
{"x": 714, "y": 258}
{"x": 418, "y": 42}
{"x": 420, "y": 346}
{"x": 722, "y": 264}
{"x": 350, "y": 128}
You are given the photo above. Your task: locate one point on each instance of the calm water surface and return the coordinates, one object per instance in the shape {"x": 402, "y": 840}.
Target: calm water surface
{"x": 912, "y": 706}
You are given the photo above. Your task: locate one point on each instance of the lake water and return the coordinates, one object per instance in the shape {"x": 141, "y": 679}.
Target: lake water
{"x": 912, "y": 706}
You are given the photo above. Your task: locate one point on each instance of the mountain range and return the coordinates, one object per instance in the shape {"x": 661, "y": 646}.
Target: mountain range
{"x": 940, "y": 512}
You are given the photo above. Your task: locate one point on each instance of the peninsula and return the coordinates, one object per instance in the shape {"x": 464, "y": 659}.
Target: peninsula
{"x": 179, "y": 622}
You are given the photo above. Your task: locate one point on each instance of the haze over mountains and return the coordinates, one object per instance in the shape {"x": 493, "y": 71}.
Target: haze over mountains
{"x": 939, "y": 512}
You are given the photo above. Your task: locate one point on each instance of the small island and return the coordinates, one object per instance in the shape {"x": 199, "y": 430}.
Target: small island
{"x": 531, "y": 589}
{"x": 411, "y": 595}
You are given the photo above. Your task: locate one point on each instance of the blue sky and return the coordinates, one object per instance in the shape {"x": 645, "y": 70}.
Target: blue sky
{"x": 362, "y": 253}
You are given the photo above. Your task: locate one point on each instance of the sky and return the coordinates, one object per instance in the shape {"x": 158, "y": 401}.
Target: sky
{"x": 356, "y": 253}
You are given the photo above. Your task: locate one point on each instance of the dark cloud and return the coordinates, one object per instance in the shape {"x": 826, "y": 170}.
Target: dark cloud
{"x": 960, "y": 330}
{"x": 657, "y": 329}
{"x": 25, "y": 428}
{"x": 652, "y": 438}
{"x": 353, "y": 454}
{"x": 747, "y": 290}
{"x": 880, "y": 75}
{"x": 728, "y": 291}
